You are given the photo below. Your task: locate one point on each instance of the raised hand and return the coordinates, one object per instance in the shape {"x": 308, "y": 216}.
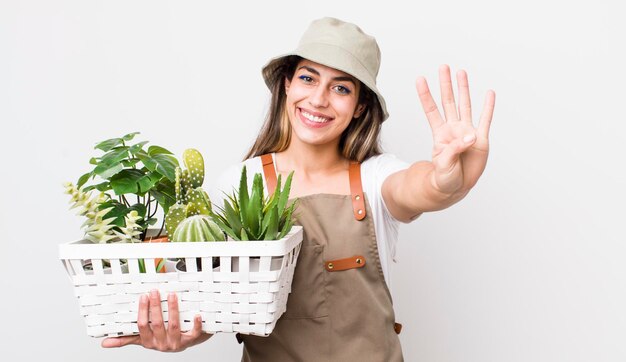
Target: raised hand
{"x": 154, "y": 334}
{"x": 459, "y": 150}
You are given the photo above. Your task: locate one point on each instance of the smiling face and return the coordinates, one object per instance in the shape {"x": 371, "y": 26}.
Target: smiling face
{"x": 321, "y": 102}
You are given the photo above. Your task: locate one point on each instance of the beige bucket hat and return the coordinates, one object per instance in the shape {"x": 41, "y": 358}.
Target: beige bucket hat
{"x": 340, "y": 45}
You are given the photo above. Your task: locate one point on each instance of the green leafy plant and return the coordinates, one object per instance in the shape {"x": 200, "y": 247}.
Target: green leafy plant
{"x": 251, "y": 216}
{"x": 129, "y": 178}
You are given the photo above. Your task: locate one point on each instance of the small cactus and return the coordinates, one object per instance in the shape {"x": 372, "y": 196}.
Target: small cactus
{"x": 198, "y": 228}
{"x": 190, "y": 198}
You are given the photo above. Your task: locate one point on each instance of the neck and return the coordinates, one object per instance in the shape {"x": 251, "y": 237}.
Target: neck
{"x": 307, "y": 159}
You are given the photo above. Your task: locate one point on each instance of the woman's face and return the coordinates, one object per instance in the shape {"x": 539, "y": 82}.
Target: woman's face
{"x": 321, "y": 102}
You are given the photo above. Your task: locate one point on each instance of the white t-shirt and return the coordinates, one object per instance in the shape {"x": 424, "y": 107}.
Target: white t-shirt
{"x": 374, "y": 171}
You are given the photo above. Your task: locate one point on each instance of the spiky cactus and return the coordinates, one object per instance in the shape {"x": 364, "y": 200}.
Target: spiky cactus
{"x": 191, "y": 199}
{"x": 253, "y": 216}
{"x": 97, "y": 228}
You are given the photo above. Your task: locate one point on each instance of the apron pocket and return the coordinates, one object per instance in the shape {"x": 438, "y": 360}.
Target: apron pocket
{"x": 308, "y": 288}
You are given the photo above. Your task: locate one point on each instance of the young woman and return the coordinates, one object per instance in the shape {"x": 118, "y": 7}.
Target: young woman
{"x": 324, "y": 123}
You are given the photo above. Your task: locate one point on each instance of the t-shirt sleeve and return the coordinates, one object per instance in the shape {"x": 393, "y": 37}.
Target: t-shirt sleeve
{"x": 384, "y": 166}
{"x": 374, "y": 172}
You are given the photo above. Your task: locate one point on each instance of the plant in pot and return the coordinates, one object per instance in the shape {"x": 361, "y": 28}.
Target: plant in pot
{"x": 251, "y": 216}
{"x": 188, "y": 219}
{"x": 133, "y": 184}
{"x": 248, "y": 216}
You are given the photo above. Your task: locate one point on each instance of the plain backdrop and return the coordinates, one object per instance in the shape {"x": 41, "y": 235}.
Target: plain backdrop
{"x": 530, "y": 266}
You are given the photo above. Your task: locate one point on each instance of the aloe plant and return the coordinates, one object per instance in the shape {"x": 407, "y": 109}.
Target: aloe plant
{"x": 251, "y": 216}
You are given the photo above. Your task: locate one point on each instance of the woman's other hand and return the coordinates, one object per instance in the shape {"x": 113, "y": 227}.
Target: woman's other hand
{"x": 459, "y": 150}
{"x": 154, "y": 335}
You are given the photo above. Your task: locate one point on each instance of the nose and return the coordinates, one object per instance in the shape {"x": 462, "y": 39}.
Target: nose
{"x": 319, "y": 97}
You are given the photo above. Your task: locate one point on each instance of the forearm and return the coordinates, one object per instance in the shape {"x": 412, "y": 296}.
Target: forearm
{"x": 411, "y": 192}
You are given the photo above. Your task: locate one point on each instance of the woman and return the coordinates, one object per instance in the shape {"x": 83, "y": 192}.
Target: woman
{"x": 324, "y": 125}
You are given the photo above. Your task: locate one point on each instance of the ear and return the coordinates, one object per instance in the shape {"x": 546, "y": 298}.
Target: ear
{"x": 287, "y": 84}
{"x": 359, "y": 110}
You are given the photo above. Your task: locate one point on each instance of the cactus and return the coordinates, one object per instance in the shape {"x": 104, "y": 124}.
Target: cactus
{"x": 190, "y": 198}
{"x": 198, "y": 228}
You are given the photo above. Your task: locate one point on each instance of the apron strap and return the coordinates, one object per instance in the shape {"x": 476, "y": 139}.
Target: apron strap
{"x": 269, "y": 172}
{"x": 356, "y": 188}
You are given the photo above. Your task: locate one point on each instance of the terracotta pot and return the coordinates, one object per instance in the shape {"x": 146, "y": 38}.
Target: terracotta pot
{"x": 160, "y": 239}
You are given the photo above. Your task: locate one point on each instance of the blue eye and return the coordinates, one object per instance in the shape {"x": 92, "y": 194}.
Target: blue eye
{"x": 343, "y": 90}
{"x": 305, "y": 78}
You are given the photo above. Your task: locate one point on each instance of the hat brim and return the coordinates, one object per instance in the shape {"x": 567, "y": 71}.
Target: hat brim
{"x": 330, "y": 56}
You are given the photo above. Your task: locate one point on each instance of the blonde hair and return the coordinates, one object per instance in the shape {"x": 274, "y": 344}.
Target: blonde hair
{"x": 359, "y": 141}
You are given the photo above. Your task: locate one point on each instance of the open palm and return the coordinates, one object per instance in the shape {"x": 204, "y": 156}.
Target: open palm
{"x": 459, "y": 150}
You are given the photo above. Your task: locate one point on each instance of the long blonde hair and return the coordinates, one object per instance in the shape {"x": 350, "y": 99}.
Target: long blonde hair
{"x": 359, "y": 141}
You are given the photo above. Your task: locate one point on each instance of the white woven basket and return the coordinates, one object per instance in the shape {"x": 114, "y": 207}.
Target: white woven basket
{"x": 247, "y": 293}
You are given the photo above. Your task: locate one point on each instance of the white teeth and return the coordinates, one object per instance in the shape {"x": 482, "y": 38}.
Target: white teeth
{"x": 313, "y": 118}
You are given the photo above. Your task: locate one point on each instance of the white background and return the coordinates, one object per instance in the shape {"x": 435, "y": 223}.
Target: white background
{"x": 531, "y": 266}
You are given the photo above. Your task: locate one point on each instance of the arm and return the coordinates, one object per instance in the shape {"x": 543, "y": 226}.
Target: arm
{"x": 459, "y": 153}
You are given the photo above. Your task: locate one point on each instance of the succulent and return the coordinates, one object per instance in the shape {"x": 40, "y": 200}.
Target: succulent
{"x": 97, "y": 228}
{"x": 131, "y": 231}
{"x": 253, "y": 216}
{"x": 198, "y": 228}
{"x": 191, "y": 199}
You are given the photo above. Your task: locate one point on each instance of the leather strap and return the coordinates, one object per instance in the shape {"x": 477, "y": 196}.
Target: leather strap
{"x": 269, "y": 172}
{"x": 356, "y": 190}
{"x": 397, "y": 327}
{"x": 354, "y": 172}
{"x": 345, "y": 264}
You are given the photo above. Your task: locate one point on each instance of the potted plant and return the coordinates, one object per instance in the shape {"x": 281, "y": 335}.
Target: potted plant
{"x": 119, "y": 207}
{"x": 188, "y": 219}
{"x": 251, "y": 216}
{"x": 133, "y": 184}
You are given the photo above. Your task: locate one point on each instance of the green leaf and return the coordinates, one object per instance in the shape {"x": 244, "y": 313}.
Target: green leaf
{"x": 220, "y": 222}
{"x": 254, "y": 211}
{"x": 130, "y": 163}
{"x": 148, "y": 181}
{"x": 165, "y": 165}
{"x": 232, "y": 217}
{"x": 137, "y": 147}
{"x": 114, "y": 156}
{"x": 140, "y": 208}
{"x": 109, "y": 144}
{"x": 104, "y": 186}
{"x": 243, "y": 193}
{"x": 118, "y": 211}
{"x": 83, "y": 179}
{"x": 126, "y": 181}
{"x": 272, "y": 229}
{"x": 106, "y": 171}
{"x": 130, "y": 136}
{"x": 273, "y": 199}
{"x": 157, "y": 150}
{"x": 164, "y": 193}
{"x": 244, "y": 235}
{"x": 284, "y": 194}
{"x": 93, "y": 161}
{"x": 160, "y": 265}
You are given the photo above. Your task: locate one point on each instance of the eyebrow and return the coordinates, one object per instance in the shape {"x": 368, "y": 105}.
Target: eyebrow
{"x": 341, "y": 79}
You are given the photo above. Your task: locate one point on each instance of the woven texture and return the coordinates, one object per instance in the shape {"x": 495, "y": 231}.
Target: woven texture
{"x": 246, "y": 293}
